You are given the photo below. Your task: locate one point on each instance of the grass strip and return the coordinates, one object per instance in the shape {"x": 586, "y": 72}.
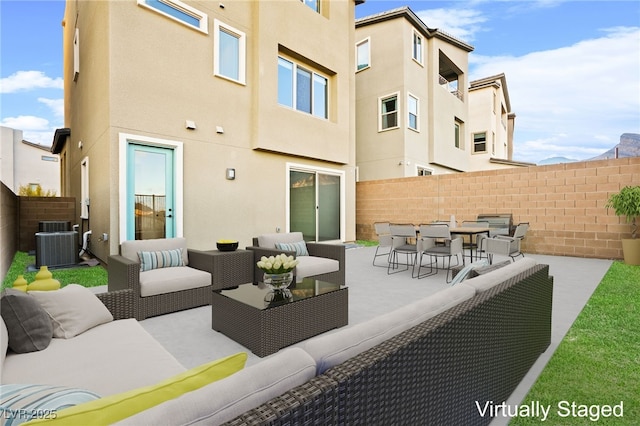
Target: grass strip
{"x": 597, "y": 364}
{"x": 86, "y": 276}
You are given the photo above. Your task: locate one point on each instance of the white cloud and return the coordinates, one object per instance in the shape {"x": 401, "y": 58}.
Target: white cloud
{"x": 587, "y": 91}
{"x": 56, "y": 105}
{"x": 26, "y": 122}
{"x": 34, "y": 129}
{"x": 460, "y": 23}
{"x": 29, "y": 80}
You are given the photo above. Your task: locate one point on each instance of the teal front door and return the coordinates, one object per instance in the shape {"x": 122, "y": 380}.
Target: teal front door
{"x": 150, "y": 192}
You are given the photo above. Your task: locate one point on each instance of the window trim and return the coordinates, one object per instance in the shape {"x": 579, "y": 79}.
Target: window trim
{"x": 473, "y": 137}
{"x": 294, "y": 82}
{"x": 366, "y": 41}
{"x": 219, "y": 26}
{"x": 398, "y": 111}
{"x": 417, "y": 114}
{"x": 416, "y": 34}
{"x": 179, "y": 6}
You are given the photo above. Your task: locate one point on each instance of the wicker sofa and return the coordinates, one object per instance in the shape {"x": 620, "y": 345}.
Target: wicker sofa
{"x": 484, "y": 336}
{"x": 164, "y": 290}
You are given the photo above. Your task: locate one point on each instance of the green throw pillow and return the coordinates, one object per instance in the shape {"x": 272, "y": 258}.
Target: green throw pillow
{"x": 114, "y": 408}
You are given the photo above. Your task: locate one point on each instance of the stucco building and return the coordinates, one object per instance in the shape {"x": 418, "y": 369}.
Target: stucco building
{"x": 209, "y": 120}
{"x": 27, "y": 164}
{"x": 417, "y": 113}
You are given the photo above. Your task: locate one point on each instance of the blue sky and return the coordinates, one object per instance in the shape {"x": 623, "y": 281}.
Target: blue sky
{"x": 572, "y": 67}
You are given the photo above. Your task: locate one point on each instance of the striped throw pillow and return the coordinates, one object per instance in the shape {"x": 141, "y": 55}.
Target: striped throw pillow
{"x": 160, "y": 259}
{"x": 299, "y": 247}
{"x": 21, "y": 403}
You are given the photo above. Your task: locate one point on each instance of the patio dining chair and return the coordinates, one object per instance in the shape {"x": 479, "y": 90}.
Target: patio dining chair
{"x": 402, "y": 242}
{"x": 427, "y": 245}
{"x": 383, "y": 231}
{"x": 505, "y": 245}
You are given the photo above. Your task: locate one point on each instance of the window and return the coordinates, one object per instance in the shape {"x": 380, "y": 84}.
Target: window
{"x": 229, "y": 52}
{"x": 49, "y": 158}
{"x": 457, "y": 135}
{"x": 423, "y": 171}
{"x": 417, "y": 47}
{"x": 493, "y": 143}
{"x": 178, "y": 11}
{"x": 480, "y": 142}
{"x": 76, "y": 54}
{"x": 363, "y": 54}
{"x": 302, "y": 89}
{"x": 313, "y": 4}
{"x": 388, "y": 112}
{"x": 412, "y": 109}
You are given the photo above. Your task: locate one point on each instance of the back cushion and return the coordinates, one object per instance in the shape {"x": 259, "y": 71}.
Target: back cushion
{"x": 486, "y": 281}
{"x": 4, "y": 342}
{"x": 130, "y": 249}
{"x": 270, "y": 240}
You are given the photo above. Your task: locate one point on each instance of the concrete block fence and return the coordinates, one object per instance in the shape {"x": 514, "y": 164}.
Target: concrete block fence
{"x": 563, "y": 203}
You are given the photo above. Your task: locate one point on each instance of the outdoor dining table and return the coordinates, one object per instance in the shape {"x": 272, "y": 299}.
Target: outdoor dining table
{"x": 471, "y": 231}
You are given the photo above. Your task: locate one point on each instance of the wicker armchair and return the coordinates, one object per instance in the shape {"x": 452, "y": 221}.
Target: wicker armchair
{"x": 334, "y": 252}
{"x": 124, "y": 273}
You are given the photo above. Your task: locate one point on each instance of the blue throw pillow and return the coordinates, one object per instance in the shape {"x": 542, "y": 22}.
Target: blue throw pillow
{"x": 160, "y": 259}
{"x": 21, "y": 403}
{"x": 299, "y": 247}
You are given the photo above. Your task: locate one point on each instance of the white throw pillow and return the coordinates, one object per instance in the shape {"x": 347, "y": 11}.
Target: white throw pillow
{"x": 73, "y": 309}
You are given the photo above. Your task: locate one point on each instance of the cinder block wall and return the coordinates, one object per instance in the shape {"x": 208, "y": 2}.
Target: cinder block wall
{"x": 563, "y": 203}
{"x": 32, "y": 210}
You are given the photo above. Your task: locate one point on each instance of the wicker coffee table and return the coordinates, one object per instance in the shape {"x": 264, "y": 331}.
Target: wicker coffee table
{"x": 314, "y": 307}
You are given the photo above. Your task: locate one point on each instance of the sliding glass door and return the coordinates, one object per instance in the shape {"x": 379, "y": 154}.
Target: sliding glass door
{"x": 315, "y": 204}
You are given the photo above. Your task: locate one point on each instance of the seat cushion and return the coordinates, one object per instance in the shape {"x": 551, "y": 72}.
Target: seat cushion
{"x": 309, "y": 266}
{"x": 228, "y": 398}
{"x": 167, "y": 280}
{"x": 110, "y": 409}
{"x": 127, "y": 355}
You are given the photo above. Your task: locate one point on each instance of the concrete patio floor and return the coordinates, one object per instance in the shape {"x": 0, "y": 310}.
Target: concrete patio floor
{"x": 189, "y": 337}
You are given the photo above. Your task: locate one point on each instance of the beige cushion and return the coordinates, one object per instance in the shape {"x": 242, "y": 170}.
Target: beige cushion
{"x": 309, "y": 266}
{"x": 73, "y": 309}
{"x": 334, "y": 348}
{"x": 167, "y": 280}
{"x": 130, "y": 249}
{"x": 108, "y": 359}
{"x": 270, "y": 240}
{"x": 226, "y": 399}
{"x": 486, "y": 281}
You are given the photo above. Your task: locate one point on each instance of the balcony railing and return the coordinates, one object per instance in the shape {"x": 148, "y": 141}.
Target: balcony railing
{"x": 451, "y": 87}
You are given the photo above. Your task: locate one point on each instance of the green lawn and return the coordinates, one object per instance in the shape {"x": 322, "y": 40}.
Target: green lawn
{"x": 86, "y": 276}
{"x": 597, "y": 364}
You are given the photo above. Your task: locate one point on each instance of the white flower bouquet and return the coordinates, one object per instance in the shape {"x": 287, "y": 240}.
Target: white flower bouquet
{"x": 279, "y": 264}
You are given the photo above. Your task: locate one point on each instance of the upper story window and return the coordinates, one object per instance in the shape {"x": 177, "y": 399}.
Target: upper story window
{"x": 457, "y": 134}
{"x": 178, "y": 11}
{"x": 412, "y": 109}
{"x": 229, "y": 52}
{"x": 480, "y": 142}
{"x": 302, "y": 89}
{"x": 313, "y": 4}
{"x": 424, "y": 171}
{"x": 388, "y": 112}
{"x": 363, "y": 55}
{"x": 417, "y": 47}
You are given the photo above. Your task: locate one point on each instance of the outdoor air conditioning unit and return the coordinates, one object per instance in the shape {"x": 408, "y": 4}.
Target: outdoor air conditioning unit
{"x": 56, "y": 248}
{"x": 54, "y": 226}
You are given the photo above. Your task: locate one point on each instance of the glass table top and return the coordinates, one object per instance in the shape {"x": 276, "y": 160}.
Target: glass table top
{"x": 261, "y": 297}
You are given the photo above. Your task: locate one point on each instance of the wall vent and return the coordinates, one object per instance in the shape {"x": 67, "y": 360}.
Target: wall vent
{"x": 56, "y": 248}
